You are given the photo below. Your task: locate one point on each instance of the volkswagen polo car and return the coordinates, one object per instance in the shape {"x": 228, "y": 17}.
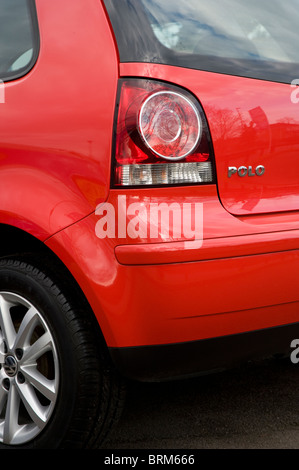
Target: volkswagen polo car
{"x": 149, "y": 201}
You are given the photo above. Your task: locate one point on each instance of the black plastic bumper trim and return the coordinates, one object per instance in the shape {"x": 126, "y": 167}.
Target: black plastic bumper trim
{"x": 182, "y": 360}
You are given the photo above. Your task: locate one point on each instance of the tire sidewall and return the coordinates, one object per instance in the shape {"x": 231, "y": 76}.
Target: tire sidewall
{"x": 42, "y": 293}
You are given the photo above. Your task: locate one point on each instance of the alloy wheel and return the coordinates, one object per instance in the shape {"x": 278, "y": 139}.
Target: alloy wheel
{"x": 29, "y": 371}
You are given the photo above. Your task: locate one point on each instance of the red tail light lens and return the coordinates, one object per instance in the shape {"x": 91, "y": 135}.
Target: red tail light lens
{"x": 161, "y": 138}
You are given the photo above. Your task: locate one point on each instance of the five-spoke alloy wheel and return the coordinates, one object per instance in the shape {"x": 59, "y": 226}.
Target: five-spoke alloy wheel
{"x": 58, "y": 386}
{"x": 29, "y": 370}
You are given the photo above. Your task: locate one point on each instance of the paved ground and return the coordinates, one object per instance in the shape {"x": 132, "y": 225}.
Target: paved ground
{"x": 255, "y": 407}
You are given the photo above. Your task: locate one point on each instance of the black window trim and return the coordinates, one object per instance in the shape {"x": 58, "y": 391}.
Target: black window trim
{"x": 36, "y": 47}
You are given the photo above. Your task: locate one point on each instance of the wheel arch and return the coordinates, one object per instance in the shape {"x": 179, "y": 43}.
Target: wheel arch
{"x": 21, "y": 244}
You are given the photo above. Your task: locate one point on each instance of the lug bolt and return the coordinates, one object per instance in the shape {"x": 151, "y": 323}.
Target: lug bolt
{"x": 6, "y": 384}
{"x": 21, "y": 378}
{"x": 19, "y": 354}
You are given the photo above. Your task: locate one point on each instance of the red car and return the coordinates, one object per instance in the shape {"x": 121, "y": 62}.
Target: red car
{"x": 149, "y": 201}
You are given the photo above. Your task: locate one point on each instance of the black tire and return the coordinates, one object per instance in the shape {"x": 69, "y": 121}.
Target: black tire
{"x": 72, "y": 393}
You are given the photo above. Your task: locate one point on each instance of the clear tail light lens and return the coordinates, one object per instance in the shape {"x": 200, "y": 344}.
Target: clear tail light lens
{"x": 170, "y": 125}
{"x": 162, "y": 137}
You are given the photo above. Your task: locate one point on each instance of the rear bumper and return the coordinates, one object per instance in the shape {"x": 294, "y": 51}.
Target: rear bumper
{"x": 241, "y": 277}
{"x": 217, "y": 248}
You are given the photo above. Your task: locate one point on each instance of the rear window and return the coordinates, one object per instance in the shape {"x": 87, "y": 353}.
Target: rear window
{"x": 256, "y": 38}
{"x": 18, "y": 38}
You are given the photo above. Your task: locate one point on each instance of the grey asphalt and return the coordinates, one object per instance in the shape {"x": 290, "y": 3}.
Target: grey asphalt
{"x": 252, "y": 407}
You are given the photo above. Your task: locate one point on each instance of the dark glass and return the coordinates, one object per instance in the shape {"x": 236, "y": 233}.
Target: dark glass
{"x": 255, "y": 38}
{"x": 18, "y": 38}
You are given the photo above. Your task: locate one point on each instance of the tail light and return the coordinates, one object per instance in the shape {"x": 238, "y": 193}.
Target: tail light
{"x": 162, "y": 137}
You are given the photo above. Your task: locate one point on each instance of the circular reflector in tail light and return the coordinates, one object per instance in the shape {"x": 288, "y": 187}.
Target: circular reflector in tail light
{"x": 169, "y": 125}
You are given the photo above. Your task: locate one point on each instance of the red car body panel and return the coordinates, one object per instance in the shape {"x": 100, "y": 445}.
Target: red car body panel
{"x": 55, "y": 165}
{"x": 149, "y": 212}
{"x": 54, "y": 147}
{"x": 252, "y": 123}
{"x": 160, "y": 293}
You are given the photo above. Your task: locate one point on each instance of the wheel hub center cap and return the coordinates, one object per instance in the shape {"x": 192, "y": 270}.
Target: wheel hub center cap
{"x": 10, "y": 366}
